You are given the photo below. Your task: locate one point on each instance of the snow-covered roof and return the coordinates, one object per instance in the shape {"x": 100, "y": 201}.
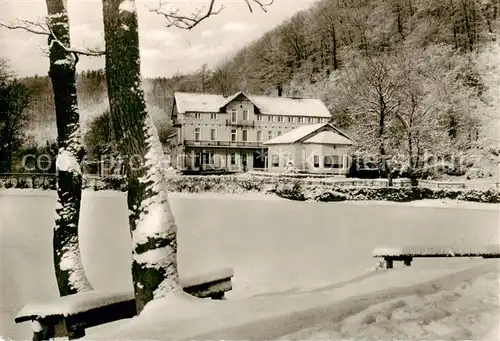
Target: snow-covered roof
{"x": 328, "y": 137}
{"x": 196, "y": 102}
{"x": 280, "y": 106}
{"x": 290, "y": 106}
{"x": 296, "y": 134}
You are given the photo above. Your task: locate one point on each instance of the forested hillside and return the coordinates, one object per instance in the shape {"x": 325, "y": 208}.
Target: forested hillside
{"x": 406, "y": 78}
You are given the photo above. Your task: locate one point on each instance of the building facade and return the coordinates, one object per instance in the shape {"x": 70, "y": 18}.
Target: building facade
{"x": 214, "y": 132}
{"x": 317, "y": 148}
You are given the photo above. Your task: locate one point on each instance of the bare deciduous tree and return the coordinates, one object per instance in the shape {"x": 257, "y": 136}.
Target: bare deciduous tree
{"x": 152, "y": 224}
{"x": 173, "y": 17}
{"x": 63, "y": 58}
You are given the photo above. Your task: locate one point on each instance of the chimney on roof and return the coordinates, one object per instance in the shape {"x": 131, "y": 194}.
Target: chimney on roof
{"x": 280, "y": 91}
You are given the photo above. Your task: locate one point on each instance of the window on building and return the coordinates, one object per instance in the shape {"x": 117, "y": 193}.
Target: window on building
{"x": 278, "y": 133}
{"x": 287, "y": 158}
{"x": 328, "y": 161}
{"x": 233, "y": 159}
{"x": 233, "y": 135}
{"x": 246, "y": 115}
{"x": 197, "y": 134}
{"x": 197, "y": 115}
{"x": 260, "y": 118}
{"x": 301, "y": 119}
{"x": 316, "y": 161}
{"x": 213, "y": 134}
{"x": 280, "y": 118}
{"x": 269, "y": 118}
{"x": 275, "y": 161}
{"x": 274, "y": 118}
{"x": 208, "y": 158}
{"x": 290, "y": 119}
{"x": 244, "y": 159}
{"x": 259, "y": 136}
{"x": 310, "y": 120}
{"x": 234, "y": 115}
{"x": 244, "y": 135}
{"x": 270, "y": 135}
{"x": 337, "y": 161}
{"x": 213, "y": 116}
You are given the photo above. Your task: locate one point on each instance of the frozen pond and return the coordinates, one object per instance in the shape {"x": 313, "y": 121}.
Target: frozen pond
{"x": 273, "y": 245}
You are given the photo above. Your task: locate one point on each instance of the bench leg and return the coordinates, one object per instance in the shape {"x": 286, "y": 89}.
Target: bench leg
{"x": 41, "y": 331}
{"x": 218, "y": 296}
{"x": 76, "y": 334}
{"x": 407, "y": 261}
{"x": 389, "y": 263}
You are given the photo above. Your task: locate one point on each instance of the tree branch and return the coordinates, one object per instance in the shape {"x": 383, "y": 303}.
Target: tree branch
{"x": 41, "y": 29}
{"x": 27, "y": 25}
{"x": 188, "y": 22}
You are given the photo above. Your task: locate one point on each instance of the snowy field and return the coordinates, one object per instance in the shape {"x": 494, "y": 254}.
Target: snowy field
{"x": 275, "y": 246}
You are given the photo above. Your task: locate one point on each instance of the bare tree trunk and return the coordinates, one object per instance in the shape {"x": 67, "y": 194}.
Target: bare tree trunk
{"x": 334, "y": 41}
{"x": 381, "y": 136}
{"x": 152, "y": 225}
{"x": 69, "y": 270}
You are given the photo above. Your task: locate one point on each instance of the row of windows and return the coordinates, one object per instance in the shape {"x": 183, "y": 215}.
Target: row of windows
{"x": 292, "y": 119}
{"x": 209, "y": 158}
{"x": 270, "y": 118}
{"x": 234, "y": 135}
{"x": 329, "y": 161}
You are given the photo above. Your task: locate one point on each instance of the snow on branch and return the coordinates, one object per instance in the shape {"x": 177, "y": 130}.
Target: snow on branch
{"x": 45, "y": 29}
{"x": 27, "y": 25}
{"x": 175, "y": 19}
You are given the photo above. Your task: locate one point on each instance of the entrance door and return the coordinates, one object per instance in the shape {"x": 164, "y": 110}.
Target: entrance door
{"x": 244, "y": 160}
{"x": 259, "y": 159}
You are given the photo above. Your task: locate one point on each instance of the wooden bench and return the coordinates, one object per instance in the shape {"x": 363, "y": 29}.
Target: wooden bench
{"x": 69, "y": 316}
{"x": 406, "y": 254}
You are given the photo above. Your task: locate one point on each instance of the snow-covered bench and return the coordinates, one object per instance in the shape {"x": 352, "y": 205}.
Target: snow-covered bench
{"x": 388, "y": 255}
{"x": 69, "y": 316}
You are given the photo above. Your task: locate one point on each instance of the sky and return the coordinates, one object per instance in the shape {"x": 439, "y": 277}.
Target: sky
{"x": 164, "y": 51}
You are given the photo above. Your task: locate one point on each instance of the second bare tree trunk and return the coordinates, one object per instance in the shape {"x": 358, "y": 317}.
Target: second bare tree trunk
{"x": 152, "y": 225}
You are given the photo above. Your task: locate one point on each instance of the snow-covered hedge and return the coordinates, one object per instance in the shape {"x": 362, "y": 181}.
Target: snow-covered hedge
{"x": 296, "y": 190}
{"x": 42, "y": 182}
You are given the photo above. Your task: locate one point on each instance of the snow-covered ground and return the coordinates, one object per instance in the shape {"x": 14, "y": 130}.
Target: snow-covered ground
{"x": 452, "y": 302}
{"x": 274, "y": 245}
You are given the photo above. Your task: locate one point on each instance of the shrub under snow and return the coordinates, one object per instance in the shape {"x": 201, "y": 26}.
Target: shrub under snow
{"x": 301, "y": 189}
